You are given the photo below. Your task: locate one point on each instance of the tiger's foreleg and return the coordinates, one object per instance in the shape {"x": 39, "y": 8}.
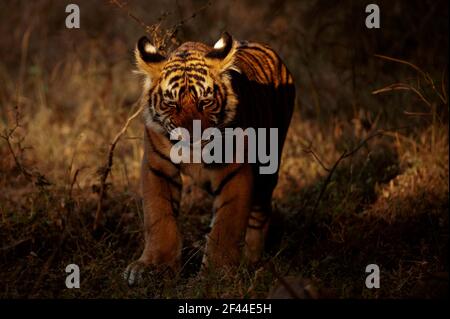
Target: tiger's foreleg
{"x": 161, "y": 191}
{"x": 233, "y": 193}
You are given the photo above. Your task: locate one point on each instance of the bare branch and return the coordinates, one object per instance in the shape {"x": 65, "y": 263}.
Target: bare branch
{"x": 415, "y": 67}
{"x": 403, "y": 86}
{"x": 425, "y": 75}
{"x": 7, "y": 136}
{"x": 309, "y": 150}
{"x": 344, "y": 155}
{"x": 106, "y": 169}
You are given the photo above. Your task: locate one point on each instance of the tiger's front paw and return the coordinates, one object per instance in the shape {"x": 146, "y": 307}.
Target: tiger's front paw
{"x": 133, "y": 273}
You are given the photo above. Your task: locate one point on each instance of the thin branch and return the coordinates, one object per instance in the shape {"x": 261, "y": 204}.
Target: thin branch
{"x": 415, "y": 67}
{"x": 123, "y": 6}
{"x": 160, "y": 39}
{"x": 106, "y": 169}
{"x": 416, "y": 113}
{"x": 443, "y": 87}
{"x": 175, "y": 27}
{"x": 7, "y": 135}
{"x": 74, "y": 180}
{"x": 344, "y": 155}
{"x": 403, "y": 86}
{"x": 425, "y": 75}
{"x": 309, "y": 150}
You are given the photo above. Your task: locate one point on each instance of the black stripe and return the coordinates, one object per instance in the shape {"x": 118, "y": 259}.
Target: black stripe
{"x": 266, "y": 53}
{"x": 174, "y": 79}
{"x": 168, "y": 94}
{"x": 166, "y": 158}
{"x": 255, "y": 227}
{"x": 225, "y": 180}
{"x": 262, "y": 220}
{"x": 174, "y": 66}
{"x": 183, "y": 54}
{"x": 288, "y": 74}
{"x": 192, "y": 59}
{"x": 223, "y": 105}
{"x": 169, "y": 179}
{"x": 168, "y": 72}
{"x": 225, "y": 203}
{"x": 176, "y": 59}
{"x": 174, "y": 203}
{"x": 260, "y": 66}
{"x": 214, "y": 108}
{"x": 280, "y": 71}
{"x": 151, "y": 94}
{"x": 175, "y": 206}
{"x": 198, "y": 70}
{"x": 200, "y": 84}
{"x": 247, "y": 63}
{"x": 193, "y": 91}
{"x": 214, "y": 166}
{"x": 176, "y": 211}
{"x": 258, "y": 223}
{"x": 157, "y": 151}
{"x": 195, "y": 65}
{"x": 196, "y": 76}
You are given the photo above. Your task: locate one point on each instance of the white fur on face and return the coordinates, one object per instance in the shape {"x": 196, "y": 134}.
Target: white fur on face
{"x": 149, "y": 123}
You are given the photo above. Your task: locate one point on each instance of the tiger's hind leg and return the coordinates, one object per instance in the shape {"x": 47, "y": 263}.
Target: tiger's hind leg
{"x": 260, "y": 218}
{"x": 255, "y": 237}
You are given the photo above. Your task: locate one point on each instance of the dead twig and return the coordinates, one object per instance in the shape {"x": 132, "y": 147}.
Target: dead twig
{"x": 74, "y": 180}
{"x": 15, "y": 244}
{"x": 403, "y": 86}
{"x": 308, "y": 150}
{"x": 160, "y": 38}
{"x": 123, "y": 6}
{"x": 8, "y": 135}
{"x": 106, "y": 169}
{"x": 343, "y": 156}
{"x": 425, "y": 75}
{"x": 174, "y": 28}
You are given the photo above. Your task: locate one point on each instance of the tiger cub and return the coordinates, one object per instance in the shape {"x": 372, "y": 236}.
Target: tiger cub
{"x": 235, "y": 84}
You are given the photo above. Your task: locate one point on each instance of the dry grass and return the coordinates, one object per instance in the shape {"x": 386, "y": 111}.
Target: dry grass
{"x": 387, "y": 203}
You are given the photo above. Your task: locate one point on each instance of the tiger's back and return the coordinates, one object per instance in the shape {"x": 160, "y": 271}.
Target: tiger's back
{"x": 265, "y": 87}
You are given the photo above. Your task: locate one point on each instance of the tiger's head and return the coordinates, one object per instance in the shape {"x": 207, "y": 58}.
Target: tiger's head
{"x": 192, "y": 83}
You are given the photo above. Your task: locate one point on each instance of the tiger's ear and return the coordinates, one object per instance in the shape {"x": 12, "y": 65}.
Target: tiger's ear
{"x": 148, "y": 59}
{"x": 222, "y": 56}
